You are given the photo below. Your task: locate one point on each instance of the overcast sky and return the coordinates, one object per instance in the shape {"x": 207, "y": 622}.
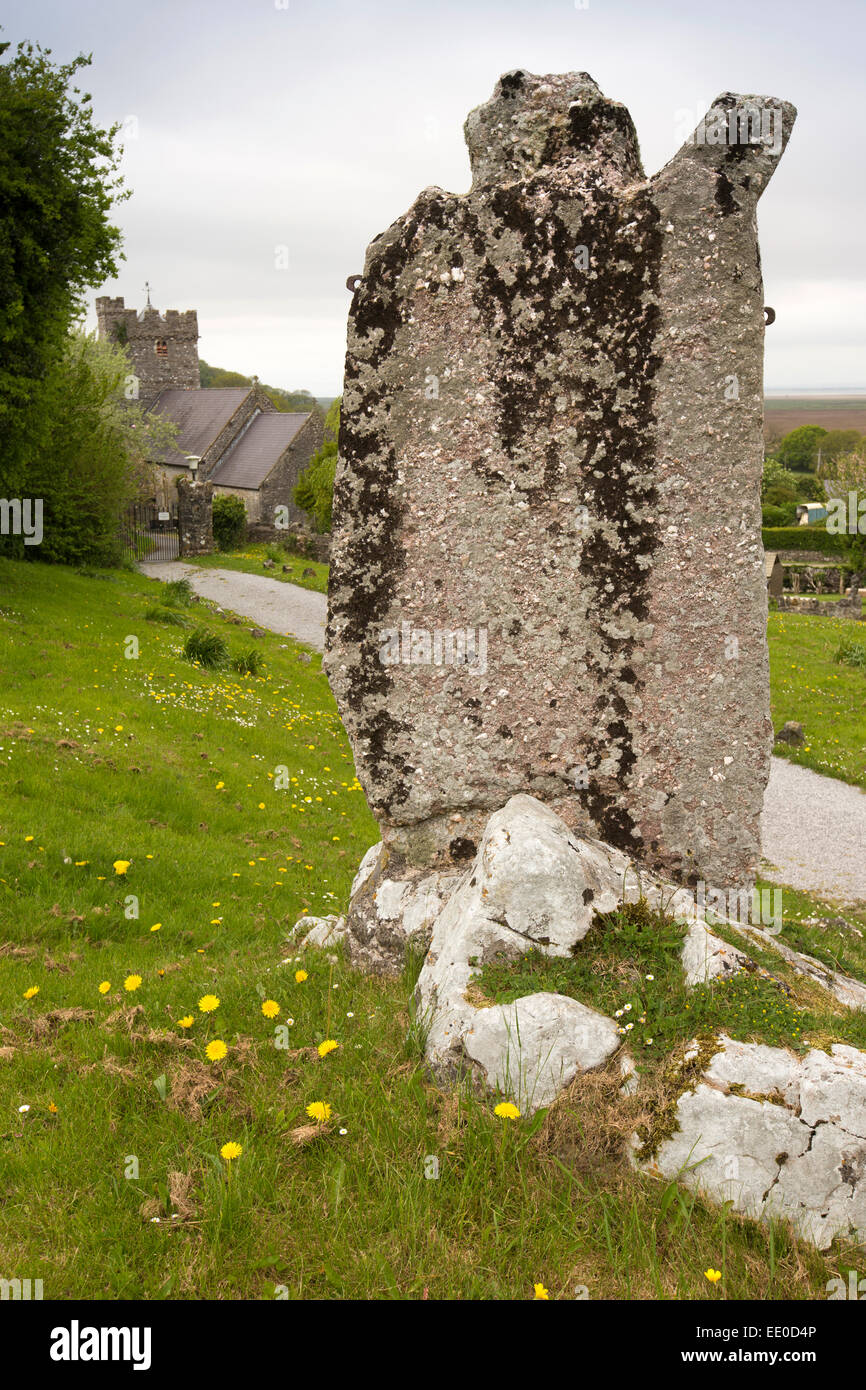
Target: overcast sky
{"x": 311, "y": 125}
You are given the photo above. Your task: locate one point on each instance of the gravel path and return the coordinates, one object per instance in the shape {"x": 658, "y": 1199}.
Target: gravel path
{"x": 271, "y": 603}
{"x": 814, "y": 832}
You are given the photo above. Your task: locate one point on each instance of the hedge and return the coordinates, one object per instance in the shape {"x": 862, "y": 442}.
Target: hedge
{"x": 803, "y": 538}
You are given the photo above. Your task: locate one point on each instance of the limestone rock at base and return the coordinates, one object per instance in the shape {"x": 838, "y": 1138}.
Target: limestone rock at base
{"x": 706, "y": 957}
{"x": 532, "y": 884}
{"x": 777, "y": 1136}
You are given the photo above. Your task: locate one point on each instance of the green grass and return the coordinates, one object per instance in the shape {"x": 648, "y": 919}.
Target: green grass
{"x": 835, "y": 935}
{"x": 249, "y": 560}
{"x": 107, "y": 760}
{"x": 828, "y": 698}
{"x": 628, "y": 967}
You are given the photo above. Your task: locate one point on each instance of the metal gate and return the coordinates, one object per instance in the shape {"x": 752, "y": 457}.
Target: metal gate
{"x": 150, "y": 532}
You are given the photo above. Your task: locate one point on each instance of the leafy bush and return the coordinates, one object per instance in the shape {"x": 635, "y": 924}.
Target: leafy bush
{"x": 779, "y": 516}
{"x": 206, "y": 648}
{"x": 229, "y": 522}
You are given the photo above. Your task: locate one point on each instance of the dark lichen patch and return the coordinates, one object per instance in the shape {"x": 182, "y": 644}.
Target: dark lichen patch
{"x": 530, "y": 317}
{"x": 724, "y": 193}
{"x": 367, "y": 560}
{"x": 462, "y": 849}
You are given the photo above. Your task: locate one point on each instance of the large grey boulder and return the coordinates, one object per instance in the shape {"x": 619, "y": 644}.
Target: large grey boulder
{"x": 547, "y": 571}
{"x": 777, "y": 1136}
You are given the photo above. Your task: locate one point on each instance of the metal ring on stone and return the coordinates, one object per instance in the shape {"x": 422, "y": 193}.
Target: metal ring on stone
{"x": 353, "y": 282}
{"x": 770, "y": 316}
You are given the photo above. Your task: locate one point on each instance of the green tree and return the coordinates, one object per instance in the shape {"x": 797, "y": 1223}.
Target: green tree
{"x": 846, "y": 476}
{"x": 781, "y": 488}
{"x": 799, "y": 449}
{"x": 838, "y": 442}
{"x": 314, "y": 492}
{"x": 58, "y": 182}
{"x": 91, "y": 459}
{"x": 283, "y": 400}
{"x": 778, "y": 486}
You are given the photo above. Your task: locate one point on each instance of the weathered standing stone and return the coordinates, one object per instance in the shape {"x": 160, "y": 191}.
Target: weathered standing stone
{"x": 550, "y": 453}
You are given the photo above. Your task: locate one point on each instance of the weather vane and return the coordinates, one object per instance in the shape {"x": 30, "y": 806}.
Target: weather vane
{"x": 148, "y": 305}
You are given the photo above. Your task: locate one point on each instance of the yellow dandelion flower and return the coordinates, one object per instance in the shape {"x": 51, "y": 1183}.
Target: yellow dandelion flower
{"x": 28, "y": 838}
{"x": 216, "y": 1050}
{"x": 156, "y": 926}
{"x": 132, "y": 982}
{"x": 53, "y": 1108}
{"x": 105, "y": 987}
{"x": 327, "y": 1046}
{"x": 230, "y": 1151}
{"x": 31, "y": 992}
{"x": 714, "y": 1275}
{"x": 185, "y": 1022}
{"x": 219, "y": 786}
{"x": 300, "y": 976}
{"x": 319, "y": 1111}
{"x": 507, "y": 1111}
{"x": 270, "y": 1008}
{"x": 118, "y": 728}
{"x": 540, "y": 1291}
{"x": 208, "y": 1003}
{"x": 120, "y": 866}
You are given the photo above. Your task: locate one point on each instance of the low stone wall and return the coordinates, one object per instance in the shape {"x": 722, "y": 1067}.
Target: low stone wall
{"x": 300, "y": 542}
{"x": 845, "y": 608}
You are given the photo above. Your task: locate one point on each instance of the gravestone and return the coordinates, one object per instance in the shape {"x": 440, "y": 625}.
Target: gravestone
{"x": 547, "y": 571}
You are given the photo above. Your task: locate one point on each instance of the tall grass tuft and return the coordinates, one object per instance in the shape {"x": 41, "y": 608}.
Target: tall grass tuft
{"x": 206, "y": 648}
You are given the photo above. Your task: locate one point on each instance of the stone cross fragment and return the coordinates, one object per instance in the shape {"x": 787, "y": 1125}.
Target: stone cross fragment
{"x": 547, "y": 570}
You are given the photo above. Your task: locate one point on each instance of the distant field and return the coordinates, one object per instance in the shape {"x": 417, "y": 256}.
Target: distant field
{"x": 785, "y": 413}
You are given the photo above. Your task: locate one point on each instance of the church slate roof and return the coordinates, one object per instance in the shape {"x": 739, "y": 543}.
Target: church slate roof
{"x": 201, "y": 415}
{"x": 248, "y": 462}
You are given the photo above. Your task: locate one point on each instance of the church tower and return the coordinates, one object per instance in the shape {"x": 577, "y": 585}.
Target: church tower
{"x": 163, "y": 348}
